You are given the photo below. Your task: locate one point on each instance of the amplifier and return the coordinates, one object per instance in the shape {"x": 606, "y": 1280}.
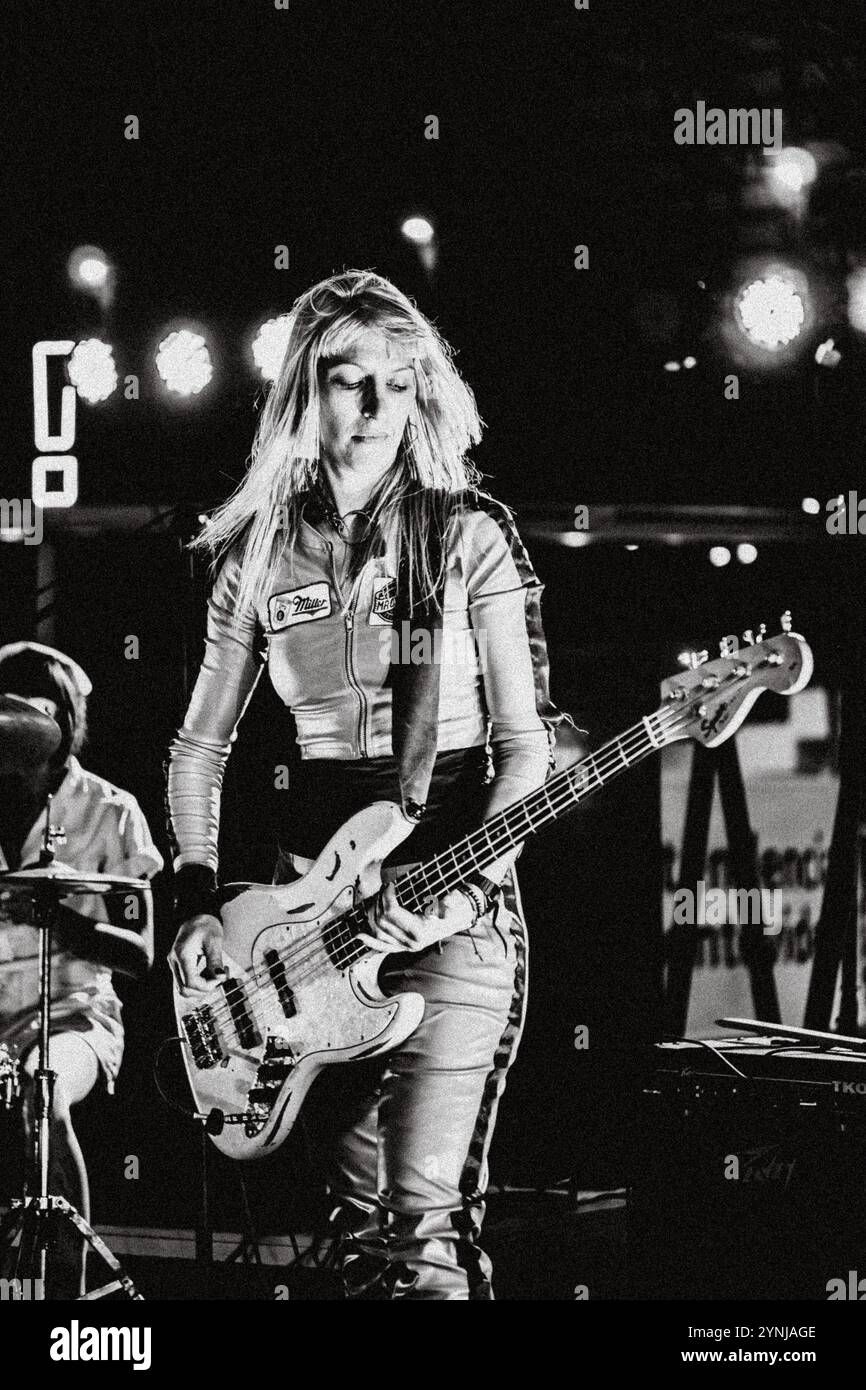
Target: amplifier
{"x": 748, "y": 1172}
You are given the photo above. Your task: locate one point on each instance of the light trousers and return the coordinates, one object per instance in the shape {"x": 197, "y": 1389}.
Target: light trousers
{"x": 409, "y": 1168}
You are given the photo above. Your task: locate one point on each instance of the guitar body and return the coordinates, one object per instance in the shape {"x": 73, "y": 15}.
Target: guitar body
{"x": 302, "y": 991}
{"x": 288, "y": 1007}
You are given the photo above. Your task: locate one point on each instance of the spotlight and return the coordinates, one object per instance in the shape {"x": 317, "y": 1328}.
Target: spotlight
{"x": 719, "y": 555}
{"x": 811, "y": 505}
{"x": 770, "y": 312}
{"x": 418, "y": 230}
{"x": 857, "y": 299}
{"x": 421, "y": 232}
{"x": 269, "y": 346}
{"x": 184, "y": 363}
{"x": 672, "y": 366}
{"x": 792, "y": 170}
{"x": 90, "y": 270}
{"x": 747, "y": 554}
{"x": 689, "y": 362}
{"x": 827, "y": 354}
{"x": 92, "y": 371}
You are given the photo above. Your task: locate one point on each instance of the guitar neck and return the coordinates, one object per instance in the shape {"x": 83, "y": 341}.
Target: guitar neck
{"x": 509, "y": 828}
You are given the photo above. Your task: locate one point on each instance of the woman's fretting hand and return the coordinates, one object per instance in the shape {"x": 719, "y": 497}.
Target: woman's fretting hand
{"x": 394, "y": 928}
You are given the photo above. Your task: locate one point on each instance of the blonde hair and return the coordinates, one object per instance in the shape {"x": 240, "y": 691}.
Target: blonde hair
{"x": 263, "y": 515}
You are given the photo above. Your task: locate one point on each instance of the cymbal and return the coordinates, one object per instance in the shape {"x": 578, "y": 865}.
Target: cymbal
{"x": 27, "y": 736}
{"x": 66, "y": 880}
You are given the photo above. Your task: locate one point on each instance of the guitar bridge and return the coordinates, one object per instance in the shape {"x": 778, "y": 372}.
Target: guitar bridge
{"x": 201, "y": 1034}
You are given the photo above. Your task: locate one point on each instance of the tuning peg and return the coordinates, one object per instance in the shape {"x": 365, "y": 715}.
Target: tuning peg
{"x": 786, "y": 620}
{"x": 762, "y": 632}
{"x": 698, "y": 659}
{"x": 728, "y": 646}
{"x": 749, "y": 637}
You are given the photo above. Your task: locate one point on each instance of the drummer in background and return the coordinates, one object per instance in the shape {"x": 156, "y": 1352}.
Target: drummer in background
{"x": 105, "y": 832}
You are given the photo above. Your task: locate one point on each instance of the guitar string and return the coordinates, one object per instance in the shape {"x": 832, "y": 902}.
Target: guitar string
{"x": 323, "y": 956}
{"x": 554, "y": 796}
{"x": 315, "y": 951}
{"x": 301, "y": 953}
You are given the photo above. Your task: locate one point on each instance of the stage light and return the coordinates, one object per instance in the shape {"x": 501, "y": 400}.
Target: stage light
{"x": 269, "y": 346}
{"x": 827, "y": 354}
{"x": 672, "y": 366}
{"x": 92, "y": 371}
{"x": 770, "y": 312}
{"x": 793, "y": 169}
{"x": 856, "y": 283}
{"x": 747, "y": 554}
{"x": 631, "y": 547}
{"x": 811, "y": 505}
{"x": 719, "y": 555}
{"x": 90, "y": 270}
{"x": 184, "y": 363}
{"x": 418, "y": 230}
{"x": 689, "y": 362}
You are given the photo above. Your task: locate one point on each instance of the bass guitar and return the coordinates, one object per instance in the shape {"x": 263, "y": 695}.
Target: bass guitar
{"x": 301, "y": 990}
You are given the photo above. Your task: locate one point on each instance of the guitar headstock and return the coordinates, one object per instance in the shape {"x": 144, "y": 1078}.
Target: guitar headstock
{"x": 710, "y": 700}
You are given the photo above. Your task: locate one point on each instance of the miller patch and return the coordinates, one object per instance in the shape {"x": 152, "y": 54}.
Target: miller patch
{"x": 299, "y": 606}
{"x": 384, "y": 602}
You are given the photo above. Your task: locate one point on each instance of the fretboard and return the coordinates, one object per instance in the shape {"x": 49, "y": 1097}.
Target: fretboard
{"x": 510, "y": 828}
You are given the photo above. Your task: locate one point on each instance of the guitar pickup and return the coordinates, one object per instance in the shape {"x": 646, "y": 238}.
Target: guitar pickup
{"x": 247, "y": 1032}
{"x": 201, "y": 1034}
{"x": 276, "y": 968}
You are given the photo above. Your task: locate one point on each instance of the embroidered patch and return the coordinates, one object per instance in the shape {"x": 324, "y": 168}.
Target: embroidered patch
{"x": 299, "y": 606}
{"x": 384, "y": 602}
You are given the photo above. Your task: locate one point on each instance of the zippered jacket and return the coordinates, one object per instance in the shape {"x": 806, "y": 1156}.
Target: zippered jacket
{"x": 329, "y": 646}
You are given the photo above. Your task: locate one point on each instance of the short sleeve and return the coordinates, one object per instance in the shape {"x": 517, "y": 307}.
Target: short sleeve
{"x": 489, "y": 566}
{"x": 136, "y": 854}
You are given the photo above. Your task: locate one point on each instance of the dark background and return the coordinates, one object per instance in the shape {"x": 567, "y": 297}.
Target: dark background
{"x": 305, "y": 127}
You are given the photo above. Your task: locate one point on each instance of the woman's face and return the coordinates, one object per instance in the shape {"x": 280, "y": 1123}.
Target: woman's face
{"x": 365, "y": 403}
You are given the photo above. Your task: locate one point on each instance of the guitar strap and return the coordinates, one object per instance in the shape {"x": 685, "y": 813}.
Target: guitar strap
{"x": 415, "y": 685}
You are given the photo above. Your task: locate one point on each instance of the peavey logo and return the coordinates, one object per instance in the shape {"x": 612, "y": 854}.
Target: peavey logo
{"x": 299, "y": 606}
{"x": 77, "y": 1343}
{"x": 384, "y": 602}
{"x": 765, "y": 1165}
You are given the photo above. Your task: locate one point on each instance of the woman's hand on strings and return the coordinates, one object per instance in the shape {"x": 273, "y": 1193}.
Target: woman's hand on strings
{"x": 394, "y": 928}
{"x": 196, "y": 958}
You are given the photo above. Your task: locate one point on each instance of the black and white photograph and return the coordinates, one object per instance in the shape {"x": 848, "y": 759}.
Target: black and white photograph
{"x": 433, "y": 674}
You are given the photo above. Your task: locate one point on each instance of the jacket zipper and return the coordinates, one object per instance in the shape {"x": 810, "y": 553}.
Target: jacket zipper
{"x": 350, "y": 668}
{"x": 350, "y": 673}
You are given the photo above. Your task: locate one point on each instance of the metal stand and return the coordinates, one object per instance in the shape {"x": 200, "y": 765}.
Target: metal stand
{"x": 755, "y": 950}
{"x": 32, "y": 1216}
{"x": 836, "y": 933}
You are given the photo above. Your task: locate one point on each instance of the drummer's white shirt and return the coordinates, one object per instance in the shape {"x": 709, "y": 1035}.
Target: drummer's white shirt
{"x": 106, "y": 832}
